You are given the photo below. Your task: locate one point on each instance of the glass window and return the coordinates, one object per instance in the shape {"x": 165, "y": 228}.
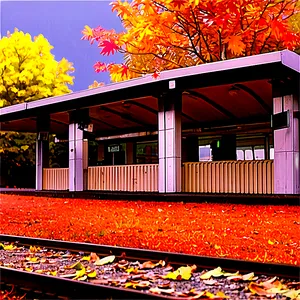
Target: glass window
{"x": 147, "y": 153}
{"x": 248, "y": 155}
{"x": 240, "y": 155}
{"x": 259, "y": 153}
{"x": 205, "y": 153}
{"x": 271, "y": 153}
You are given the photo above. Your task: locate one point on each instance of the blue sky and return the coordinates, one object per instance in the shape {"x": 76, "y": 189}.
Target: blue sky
{"x": 61, "y": 23}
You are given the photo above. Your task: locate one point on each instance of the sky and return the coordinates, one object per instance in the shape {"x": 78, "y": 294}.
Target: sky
{"x": 61, "y": 22}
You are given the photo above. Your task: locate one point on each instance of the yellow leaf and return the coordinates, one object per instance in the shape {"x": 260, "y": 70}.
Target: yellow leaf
{"x": 270, "y": 242}
{"x": 292, "y": 294}
{"x": 80, "y": 273}
{"x": 215, "y": 273}
{"x": 54, "y": 273}
{"x": 248, "y": 276}
{"x": 105, "y": 260}
{"x": 221, "y": 295}
{"x": 181, "y": 273}
{"x": 7, "y": 247}
{"x": 87, "y": 258}
{"x": 92, "y": 274}
{"x": 84, "y": 277}
{"x": 33, "y": 249}
{"x": 77, "y": 266}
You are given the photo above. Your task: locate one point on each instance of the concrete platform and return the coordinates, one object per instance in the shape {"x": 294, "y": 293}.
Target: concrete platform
{"x": 176, "y": 197}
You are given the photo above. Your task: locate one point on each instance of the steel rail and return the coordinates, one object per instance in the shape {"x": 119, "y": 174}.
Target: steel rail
{"x": 72, "y": 288}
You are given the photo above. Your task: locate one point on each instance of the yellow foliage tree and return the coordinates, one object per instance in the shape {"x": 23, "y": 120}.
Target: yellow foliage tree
{"x": 29, "y": 71}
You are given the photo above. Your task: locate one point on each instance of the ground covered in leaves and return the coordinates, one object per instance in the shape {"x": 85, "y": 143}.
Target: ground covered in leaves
{"x": 160, "y": 278}
{"x": 258, "y": 233}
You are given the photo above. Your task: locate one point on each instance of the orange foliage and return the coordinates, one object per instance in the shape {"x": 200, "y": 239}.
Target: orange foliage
{"x": 167, "y": 34}
{"x": 259, "y": 233}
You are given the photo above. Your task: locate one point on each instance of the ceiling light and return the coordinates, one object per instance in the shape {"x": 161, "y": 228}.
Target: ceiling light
{"x": 233, "y": 90}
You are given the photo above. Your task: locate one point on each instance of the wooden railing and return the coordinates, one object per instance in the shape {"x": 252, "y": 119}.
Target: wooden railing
{"x": 245, "y": 177}
{"x": 56, "y": 179}
{"x": 128, "y": 178}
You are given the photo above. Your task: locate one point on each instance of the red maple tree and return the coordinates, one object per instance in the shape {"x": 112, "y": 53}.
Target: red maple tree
{"x": 167, "y": 34}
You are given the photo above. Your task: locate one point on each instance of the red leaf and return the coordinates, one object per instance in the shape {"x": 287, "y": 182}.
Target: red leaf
{"x": 124, "y": 70}
{"x": 108, "y": 47}
{"x": 155, "y": 75}
{"x": 178, "y": 3}
{"x": 100, "y": 67}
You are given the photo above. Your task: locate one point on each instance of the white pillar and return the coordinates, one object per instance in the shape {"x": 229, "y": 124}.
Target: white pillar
{"x": 169, "y": 143}
{"x": 286, "y": 148}
{"x": 41, "y": 149}
{"x": 76, "y": 152}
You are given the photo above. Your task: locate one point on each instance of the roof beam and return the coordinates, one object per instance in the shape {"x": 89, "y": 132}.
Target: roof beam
{"x": 154, "y": 111}
{"x": 212, "y": 103}
{"x": 261, "y": 102}
{"x": 124, "y": 116}
{"x": 103, "y": 122}
{"x": 146, "y": 107}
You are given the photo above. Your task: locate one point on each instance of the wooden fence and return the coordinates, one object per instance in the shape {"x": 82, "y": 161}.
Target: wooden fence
{"x": 56, "y": 179}
{"x": 127, "y": 178}
{"x": 245, "y": 177}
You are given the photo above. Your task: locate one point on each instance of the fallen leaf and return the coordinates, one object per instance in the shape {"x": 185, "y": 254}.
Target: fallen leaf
{"x": 215, "y": 273}
{"x": 92, "y": 274}
{"x": 210, "y": 282}
{"x": 105, "y": 260}
{"x": 80, "y": 273}
{"x": 94, "y": 257}
{"x": 77, "y": 266}
{"x": 8, "y": 247}
{"x": 157, "y": 290}
{"x": 181, "y": 273}
{"x": 151, "y": 265}
{"x": 84, "y": 277}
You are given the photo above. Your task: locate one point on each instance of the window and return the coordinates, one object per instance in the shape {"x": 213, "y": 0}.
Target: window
{"x": 248, "y": 154}
{"x": 147, "y": 153}
{"x": 240, "y": 155}
{"x": 259, "y": 153}
{"x": 205, "y": 153}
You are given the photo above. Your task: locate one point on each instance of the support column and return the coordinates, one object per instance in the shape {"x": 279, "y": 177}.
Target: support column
{"x": 286, "y": 148}
{"x": 169, "y": 143}
{"x": 76, "y": 177}
{"x": 78, "y": 153}
{"x": 41, "y": 150}
{"x": 267, "y": 147}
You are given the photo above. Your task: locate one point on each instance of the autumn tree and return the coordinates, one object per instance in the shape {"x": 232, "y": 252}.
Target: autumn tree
{"x": 28, "y": 72}
{"x": 167, "y": 34}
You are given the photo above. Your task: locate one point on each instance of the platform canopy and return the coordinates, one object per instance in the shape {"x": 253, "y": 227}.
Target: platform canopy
{"x": 236, "y": 91}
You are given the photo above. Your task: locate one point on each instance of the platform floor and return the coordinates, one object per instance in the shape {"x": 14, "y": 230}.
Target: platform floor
{"x": 176, "y": 197}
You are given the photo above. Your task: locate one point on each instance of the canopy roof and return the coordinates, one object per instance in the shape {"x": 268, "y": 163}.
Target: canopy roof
{"x": 236, "y": 91}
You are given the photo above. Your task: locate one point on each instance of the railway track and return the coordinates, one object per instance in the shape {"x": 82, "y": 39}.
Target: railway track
{"x": 127, "y": 273}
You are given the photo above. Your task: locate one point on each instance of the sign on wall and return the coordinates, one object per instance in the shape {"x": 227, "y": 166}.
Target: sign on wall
{"x": 114, "y": 148}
